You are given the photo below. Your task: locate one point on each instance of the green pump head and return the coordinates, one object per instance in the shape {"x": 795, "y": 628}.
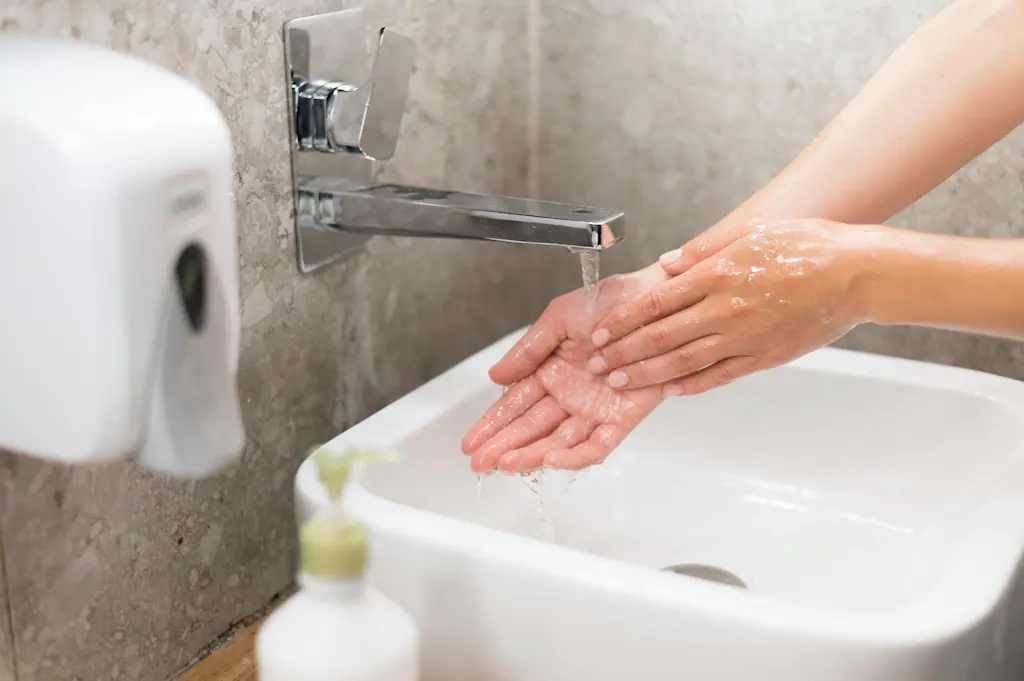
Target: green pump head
{"x": 332, "y": 546}
{"x": 334, "y": 466}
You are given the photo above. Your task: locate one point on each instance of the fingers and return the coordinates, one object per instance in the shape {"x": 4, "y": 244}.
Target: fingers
{"x": 589, "y": 453}
{"x": 684, "y": 360}
{"x": 662, "y": 337}
{"x": 703, "y": 246}
{"x": 533, "y": 348}
{"x": 511, "y": 406}
{"x": 648, "y": 307}
{"x": 570, "y": 433}
{"x": 538, "y": 422}
{"x": 715, "y": 376}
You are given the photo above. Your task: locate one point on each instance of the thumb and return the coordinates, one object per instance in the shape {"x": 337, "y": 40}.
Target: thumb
{"x": 702, "y": 247}
{"x": 536, "y": 345}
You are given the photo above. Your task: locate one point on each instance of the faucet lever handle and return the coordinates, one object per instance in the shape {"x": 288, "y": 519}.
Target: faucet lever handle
{"x": 367, "y": 120}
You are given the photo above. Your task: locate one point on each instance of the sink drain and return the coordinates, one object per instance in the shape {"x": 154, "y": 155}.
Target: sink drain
{"x": 707, "y": 572}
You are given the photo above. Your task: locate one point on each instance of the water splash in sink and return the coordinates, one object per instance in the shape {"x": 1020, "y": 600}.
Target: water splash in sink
{"x": 550, "y": 486}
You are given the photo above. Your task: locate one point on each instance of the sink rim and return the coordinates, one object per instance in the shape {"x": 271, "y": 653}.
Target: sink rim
{"x": 965, "y": 592}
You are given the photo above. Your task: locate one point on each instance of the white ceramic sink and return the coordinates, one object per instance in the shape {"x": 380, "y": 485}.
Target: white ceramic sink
{"x": 873, "y": 506}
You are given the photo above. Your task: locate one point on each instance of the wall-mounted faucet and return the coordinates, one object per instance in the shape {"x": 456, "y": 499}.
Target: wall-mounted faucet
{"x": 339, "y": 127}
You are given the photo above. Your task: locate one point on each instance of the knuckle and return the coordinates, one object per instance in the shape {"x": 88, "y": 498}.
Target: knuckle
{"x": 659, "y": 337}
{"x": 618, "y": 322}
{"x": 724, "y": 375}
{"x": 712, "y": 276}
{"x": 690, "y": 387}
{"x": 723, "y": 271}
{"x": 703, "y": 244}
{"x": 737, "y": 307}
{"x": 652, "y": 303}
{"x": 683, "y": 360}
{"x": 680, "y": 286}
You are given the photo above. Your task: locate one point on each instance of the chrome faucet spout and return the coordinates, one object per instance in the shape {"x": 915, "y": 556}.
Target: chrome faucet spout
{"x": 345, "y": 118}
{"x": 398, "y": 210}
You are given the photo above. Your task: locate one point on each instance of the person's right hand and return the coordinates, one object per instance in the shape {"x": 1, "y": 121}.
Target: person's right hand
{"x": 780, "y": 291}
{"x": 705, "y": 245}
{"x": 556, "y": 414}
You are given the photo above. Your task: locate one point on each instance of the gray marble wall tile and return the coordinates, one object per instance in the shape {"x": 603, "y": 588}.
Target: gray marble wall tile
{"x": 115, "y": 573}
{"x": 677, "y": 111}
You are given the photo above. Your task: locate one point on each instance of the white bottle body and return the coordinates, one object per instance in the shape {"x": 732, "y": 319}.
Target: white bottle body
{"x": 338, "y": 631}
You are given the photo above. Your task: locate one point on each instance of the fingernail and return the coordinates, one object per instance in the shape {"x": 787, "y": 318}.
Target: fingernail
{"x": 618, "y": 379}
{"x": 672, "y": 256}
{"x": 673, "y": 390}
{"x": 601, "y": 336}
{"x": 597, "y": 364}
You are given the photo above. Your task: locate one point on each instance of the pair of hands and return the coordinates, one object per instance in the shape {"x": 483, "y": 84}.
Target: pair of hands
{"x": 733, "y": 301}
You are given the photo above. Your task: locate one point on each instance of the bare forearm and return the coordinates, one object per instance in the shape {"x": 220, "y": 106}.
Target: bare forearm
{"x": 947, "y": 94}
{"x": 974, "y": 285}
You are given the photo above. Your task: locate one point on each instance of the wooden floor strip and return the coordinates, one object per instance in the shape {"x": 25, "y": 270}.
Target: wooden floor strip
{"x": 234, "y": 661}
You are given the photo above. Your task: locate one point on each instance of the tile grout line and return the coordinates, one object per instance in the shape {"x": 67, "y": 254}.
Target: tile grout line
{"x": 533, "y": 46}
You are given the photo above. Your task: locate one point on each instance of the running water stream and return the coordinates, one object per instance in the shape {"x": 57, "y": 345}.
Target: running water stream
{"x": 550, "y": 485}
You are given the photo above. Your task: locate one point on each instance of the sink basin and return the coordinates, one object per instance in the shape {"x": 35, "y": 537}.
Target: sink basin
{"x": 872, "y": 507}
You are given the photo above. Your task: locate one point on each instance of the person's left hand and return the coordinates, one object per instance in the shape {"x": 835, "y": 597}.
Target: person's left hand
{"x": 758, "y": 300}
{"x": 555, "y": 413}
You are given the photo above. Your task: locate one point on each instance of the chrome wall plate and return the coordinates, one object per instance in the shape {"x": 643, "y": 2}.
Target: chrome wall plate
{"x": 342, "y": 116}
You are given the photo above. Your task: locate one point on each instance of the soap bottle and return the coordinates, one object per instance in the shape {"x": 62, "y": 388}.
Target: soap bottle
{"x": 337, "y": 627}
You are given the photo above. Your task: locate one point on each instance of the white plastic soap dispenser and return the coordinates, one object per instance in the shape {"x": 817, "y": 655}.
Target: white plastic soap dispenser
{"x": 337, "y": 627}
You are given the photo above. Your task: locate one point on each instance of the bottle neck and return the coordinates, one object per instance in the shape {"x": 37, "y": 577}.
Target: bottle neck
{"x": 333, "y": 589}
